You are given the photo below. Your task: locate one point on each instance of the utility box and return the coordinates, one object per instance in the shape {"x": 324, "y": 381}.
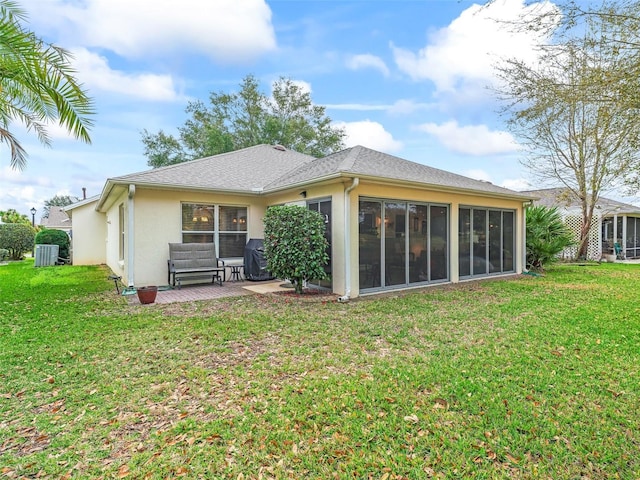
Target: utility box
{"x": 46, "y": 255}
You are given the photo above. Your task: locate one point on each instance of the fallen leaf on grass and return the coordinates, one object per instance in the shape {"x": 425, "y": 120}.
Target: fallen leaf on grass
{"x": 440, "y": 403}
{"x": 411, "y": 418}
{"x": 123, "y": 471}
{"x": 511, "y": 458}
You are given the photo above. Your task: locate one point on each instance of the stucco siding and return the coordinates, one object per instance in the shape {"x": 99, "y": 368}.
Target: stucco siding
{"x": 88, "y": 235}
{"x": 158, "y": 220}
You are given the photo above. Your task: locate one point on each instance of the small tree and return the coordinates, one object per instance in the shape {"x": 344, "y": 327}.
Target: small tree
{"x": 58, "y": 201}
{"x": 12, "y": 216}
{"x": 17, "y": 238}
{"x": 295, "y": 247}
{"x": 547, "y": 236}
{"x": 55, "y": 237}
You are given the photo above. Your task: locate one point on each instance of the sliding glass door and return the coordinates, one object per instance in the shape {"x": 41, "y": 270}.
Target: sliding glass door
{"x": 486, "y": 241}
{"x": 402, "y": 243}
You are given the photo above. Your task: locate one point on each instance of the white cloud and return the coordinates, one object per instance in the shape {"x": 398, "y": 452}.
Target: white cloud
{"x": 21, "y": 191}
{"x": 471, "y": 139}
{"x": 361, "y": 107}
{"x": 406, "y": 107}
{"x": 369, "y": 134}
{"x": 400, "y": 107}
{"x": 366, "y": 60}
{"x": 229, "y": 31}
{"x": 517, "y": 184}
{"x": 464, "y": 53}
{"x": 95, "y": 73}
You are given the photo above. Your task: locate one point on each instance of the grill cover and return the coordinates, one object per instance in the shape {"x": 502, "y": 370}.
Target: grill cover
{"x": 255, "y": 265}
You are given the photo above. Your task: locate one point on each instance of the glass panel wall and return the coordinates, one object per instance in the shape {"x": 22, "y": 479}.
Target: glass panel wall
{"x": 486, "y": 241}
{"x": 464, "y": 242}
{"x": 633, "y": 237}
{"x": 508, "y": 241}
{"x": 438, "y": 240}
{"x": 495, "y": 241}
{"x": 395, "y": 239}
{"x": 479, "y": 261}
{"x": 418, "y": 243}
{"x": 402, "y": 243}
{"x": 619, "y": 232}
{"x": 370, "y": 241}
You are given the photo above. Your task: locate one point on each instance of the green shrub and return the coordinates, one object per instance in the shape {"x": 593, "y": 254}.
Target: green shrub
{"x": 54, "y": 237}
{"x": 547, "y": 236}
{"x": 294, "y": 244}
{"x": 4, "y": 254}
{"x": 17, "y": 238}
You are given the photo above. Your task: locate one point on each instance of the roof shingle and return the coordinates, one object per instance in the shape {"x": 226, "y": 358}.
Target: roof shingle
{"x": 269, "y": 169}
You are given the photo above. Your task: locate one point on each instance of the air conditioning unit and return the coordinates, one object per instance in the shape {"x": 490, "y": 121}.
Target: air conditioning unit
{"x": 46, "y": 255}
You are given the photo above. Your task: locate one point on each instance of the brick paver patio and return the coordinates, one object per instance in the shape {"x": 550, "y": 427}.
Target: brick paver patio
{"x": 210, "y": 291}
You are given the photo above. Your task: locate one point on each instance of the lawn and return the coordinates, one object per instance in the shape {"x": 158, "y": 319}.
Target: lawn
{"x": 532, "y": 377}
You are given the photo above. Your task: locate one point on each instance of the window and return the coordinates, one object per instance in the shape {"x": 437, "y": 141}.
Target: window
{"x": 224, "y": 225}
{"x": 121, "y": 232}
{"x": 486, "y": 240}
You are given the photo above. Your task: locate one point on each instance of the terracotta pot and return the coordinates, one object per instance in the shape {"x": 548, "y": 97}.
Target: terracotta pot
{"x": 147, "y": 294}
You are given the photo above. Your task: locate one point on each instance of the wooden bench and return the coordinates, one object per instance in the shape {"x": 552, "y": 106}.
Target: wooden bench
{"x": 189, "y": 261}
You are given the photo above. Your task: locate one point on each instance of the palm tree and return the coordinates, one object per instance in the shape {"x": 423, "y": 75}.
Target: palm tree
{"x": 37, "y": 86}
{"x": 547, "y": 236}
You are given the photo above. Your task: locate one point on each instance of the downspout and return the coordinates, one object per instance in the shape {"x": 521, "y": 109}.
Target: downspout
{"x": 130, "y": 236}
{"x": 524, "y": 234}
{"x": 347, "y": 240}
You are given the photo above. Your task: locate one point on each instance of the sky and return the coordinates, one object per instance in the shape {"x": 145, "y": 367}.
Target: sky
{"x": 411, "y": 78}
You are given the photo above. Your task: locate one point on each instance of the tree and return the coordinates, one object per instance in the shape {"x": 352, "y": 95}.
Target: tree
{"x": 58, "y": 201}
{"x": 294, "y": 244}
{"x": 245, "y": 118}
{"x": 547, "y": 236}
{"x": 17, "y": 238}
{"x": 37, "y": 86}
{"x": 12, "y": 216}
{"x": 576, "y": 112}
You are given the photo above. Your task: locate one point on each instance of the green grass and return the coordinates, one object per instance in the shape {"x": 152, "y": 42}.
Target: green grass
{"x": 536, "y": 377}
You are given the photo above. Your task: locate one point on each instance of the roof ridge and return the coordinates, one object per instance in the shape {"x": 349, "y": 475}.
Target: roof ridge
{"x": 350, "y": 159}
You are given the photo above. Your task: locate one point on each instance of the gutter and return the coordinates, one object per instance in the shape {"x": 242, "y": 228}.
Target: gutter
{"x": 347, "y": 239}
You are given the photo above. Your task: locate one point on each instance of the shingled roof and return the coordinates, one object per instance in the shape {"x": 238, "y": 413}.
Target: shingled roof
{"x": 266, "y": 168}
{"x": 564, "y": 198}
{"x": 246, "y": 170}
{"x": 362, "y": 161}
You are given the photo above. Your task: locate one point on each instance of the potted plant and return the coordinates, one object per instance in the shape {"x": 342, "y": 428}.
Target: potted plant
{"x": 147, "y": 294}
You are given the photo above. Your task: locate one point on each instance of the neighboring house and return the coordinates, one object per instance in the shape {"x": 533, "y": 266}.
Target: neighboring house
{"x": 613, "y": 222}
{"x": 391, "y": 223}
{"x": 57, "y": 219}
{"x": 88, "y": 240}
